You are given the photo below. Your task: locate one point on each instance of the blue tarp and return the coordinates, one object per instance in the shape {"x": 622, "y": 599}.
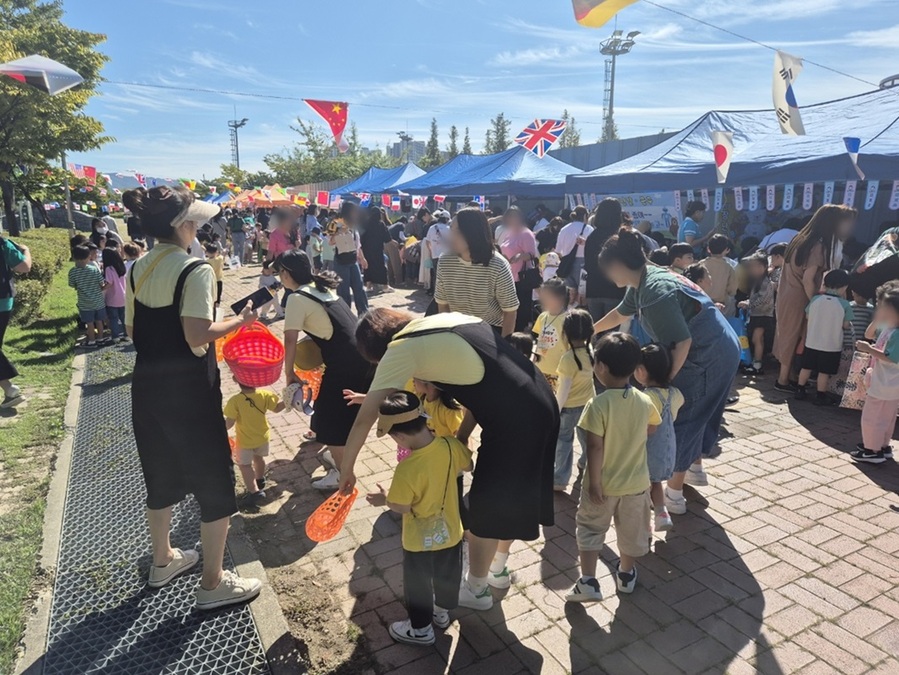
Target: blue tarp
{"x": 376, "y": 181}
{"x": 515, "y": 172}
{"x": 762, "y": 154}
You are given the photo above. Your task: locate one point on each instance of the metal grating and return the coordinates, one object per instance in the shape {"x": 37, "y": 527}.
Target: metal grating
{"x": 104, "y": 619}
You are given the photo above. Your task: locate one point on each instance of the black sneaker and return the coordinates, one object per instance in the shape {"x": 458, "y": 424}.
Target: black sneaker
{"x": 862, "y": 454}
{"x": 800, "y": 393}
{"x": 788, "y": 388}
{"x": 887, "y": 451}
{"x": 260, "y": 484}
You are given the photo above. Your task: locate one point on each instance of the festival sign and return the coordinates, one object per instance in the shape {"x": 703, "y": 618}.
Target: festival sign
{"x": 658, "y": 208}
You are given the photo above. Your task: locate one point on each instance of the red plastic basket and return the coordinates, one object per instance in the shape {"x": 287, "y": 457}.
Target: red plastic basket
{"x": 255, "y": 356}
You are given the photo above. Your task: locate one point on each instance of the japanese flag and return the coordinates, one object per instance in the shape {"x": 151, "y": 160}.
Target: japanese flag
{"x": 723, "y": 146}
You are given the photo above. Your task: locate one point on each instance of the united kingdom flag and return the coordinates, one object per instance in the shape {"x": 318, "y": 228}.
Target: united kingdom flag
{"x": 540, "y": 135}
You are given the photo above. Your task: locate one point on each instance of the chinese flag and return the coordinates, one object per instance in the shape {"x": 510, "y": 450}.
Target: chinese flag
{"x": 323, "y": 198}
{"x": 335, "y": 114}
{"x": 595, "y": 13}
{"x": 90, "y": 173}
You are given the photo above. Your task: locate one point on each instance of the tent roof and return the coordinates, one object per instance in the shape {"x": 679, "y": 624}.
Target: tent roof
{"x": 762, "y": 154}
{"x": 515, "y": 171}
{"x": 377, "y": 180}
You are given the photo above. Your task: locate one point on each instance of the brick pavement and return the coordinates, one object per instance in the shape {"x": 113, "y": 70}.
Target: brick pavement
{"x": 785, "y": 563}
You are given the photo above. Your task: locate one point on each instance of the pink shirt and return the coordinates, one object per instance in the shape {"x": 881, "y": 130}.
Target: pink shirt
{"x": 278, "y": 243}
{"x": 115, "y": 292}
{"x": 513, "y": 244}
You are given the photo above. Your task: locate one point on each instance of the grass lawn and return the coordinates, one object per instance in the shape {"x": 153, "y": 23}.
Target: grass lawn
{"x": 29, "y": 438}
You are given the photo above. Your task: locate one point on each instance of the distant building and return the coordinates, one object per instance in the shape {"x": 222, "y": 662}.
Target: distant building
{"x": 412, "y": 151}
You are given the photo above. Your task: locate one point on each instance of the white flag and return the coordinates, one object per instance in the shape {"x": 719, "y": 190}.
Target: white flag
{"x": 808, "y": 196}
{"x": 894, "y": 197}
{"x": 871, "y": 195}
{"x": 719, "y": 198}
{"x": 691, "y": 196}
{"x": 738, "y": 199}
{"x": 849, "y": 194}
{"x": 571, "y": 203}
{"x": 578, "y": 199}
{"x": 828, "y": 192}
{"x": 704, "y": 196}
{"x": 769, "y": 198}
{"x": 677, "y": 203}
{"x": 788, "y": 197}
{"x": 754, "y": 198}
{"x": 786, "y": 70}
{"x": 723, "y": 147}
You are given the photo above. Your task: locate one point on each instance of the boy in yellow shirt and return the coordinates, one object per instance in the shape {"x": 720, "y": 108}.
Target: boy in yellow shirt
{"x": 214, "y": 258}
{"x": 424, "y": 491}
{"x": 247, "y": 411}
{"x": 616, "y": 482}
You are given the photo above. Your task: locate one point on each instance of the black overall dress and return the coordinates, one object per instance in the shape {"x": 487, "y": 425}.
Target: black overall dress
{"x": 176, "y": 408}
{"x": 344, "y": 369}
{"x": 512, "y": 488}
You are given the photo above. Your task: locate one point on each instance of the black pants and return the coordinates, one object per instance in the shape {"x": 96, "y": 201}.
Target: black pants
{"x": 7, "y": 370}
{"x": 218, "y": 292}
{"x": 525, "y": 305}
{"x": 429, "y": 578}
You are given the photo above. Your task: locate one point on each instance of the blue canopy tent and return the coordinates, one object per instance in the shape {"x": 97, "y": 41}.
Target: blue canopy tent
{"x": 219, "y": 199}
{"x": 376, "y": 181}
{"x": 762, "y": 154}
{"x": 514, "y": 172}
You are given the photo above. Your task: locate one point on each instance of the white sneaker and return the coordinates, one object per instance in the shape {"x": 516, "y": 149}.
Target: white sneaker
{"x": 441, "y": 618}
{"x": 231, "y": 590}
{"x": 500, "y": 580}
{"x": 626, "y": 582}
{"x": 181, "y": 562}
{"x": 326, "y": 459}
{"x": 696, "y": 478}
{"x": 331, "y": 481}
{"x": 467, "y": 598}
{"x": 402, "y": 631}
{"x": 12, "y": 398}
{"x": 676, "y": 506}
{"x": 585, "y": 591}
{"x": 664, "y": 522}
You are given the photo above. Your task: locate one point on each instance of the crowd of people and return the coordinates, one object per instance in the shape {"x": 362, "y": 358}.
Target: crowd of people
{"x": 543, "y": 331}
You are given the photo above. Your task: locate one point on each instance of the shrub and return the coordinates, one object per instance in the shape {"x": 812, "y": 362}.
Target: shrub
{"x": 49, "y": 252}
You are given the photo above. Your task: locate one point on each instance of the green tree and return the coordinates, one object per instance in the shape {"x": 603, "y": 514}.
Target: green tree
{"x": 36, "y": 128}
{"x": 466, "y": 143}
{"x": 452, "y": 149}
{"x": 571, "y": 137}
{"x": 609, "y": 131}
{"x": 498, "y": 138}
{"x": 432, "y": 156}
{"x": 488, "y": 143}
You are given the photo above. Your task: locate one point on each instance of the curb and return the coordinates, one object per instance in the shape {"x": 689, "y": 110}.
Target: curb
{"x": 277, "y": 642}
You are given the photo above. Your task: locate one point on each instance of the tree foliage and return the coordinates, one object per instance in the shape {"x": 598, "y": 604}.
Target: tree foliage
{"x": 452, "y": 150}
{"x": 466, "y": 143}
{"x": 571, "y": 137}
{"x": 36, "y": 128}
{"x": 432, "y": 155}
{"x": 609, "y": 131}
{"x": 498, "y": 136}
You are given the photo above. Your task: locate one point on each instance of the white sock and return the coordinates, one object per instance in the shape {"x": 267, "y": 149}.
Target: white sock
{"x": 696, "y": 466}
{"x": 661, "y": 510}
{"x": 499, "y": 562}
{"x": 476, "y": 584}
{"x": 584, "y": 579}
{"x": 674, "y": 494}
{"x": 757, "y": 365}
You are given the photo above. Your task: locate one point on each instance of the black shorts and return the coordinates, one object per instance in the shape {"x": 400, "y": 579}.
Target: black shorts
{"x": 766, "y": 323}
{"x": 218, "y": 292}
{"x": 826, "y": 363}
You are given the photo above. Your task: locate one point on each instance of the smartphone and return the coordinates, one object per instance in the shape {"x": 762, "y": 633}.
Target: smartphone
{"x": 259, "y": 298}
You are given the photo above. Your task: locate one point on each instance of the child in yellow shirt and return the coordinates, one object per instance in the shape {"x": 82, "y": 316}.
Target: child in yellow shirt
{"x": 247, "y": 412}
{"x": 550, "y": 341}
{"x": 217, "y": 262}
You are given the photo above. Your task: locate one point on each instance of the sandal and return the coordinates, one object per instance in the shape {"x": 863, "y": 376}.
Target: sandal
{"x": 309, "y": 436}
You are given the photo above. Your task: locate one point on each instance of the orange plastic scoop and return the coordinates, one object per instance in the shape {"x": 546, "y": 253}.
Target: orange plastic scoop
{"x": 327, "y": 520}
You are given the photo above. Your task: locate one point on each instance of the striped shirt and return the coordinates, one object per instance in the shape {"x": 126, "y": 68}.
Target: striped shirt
{"x": 88, "y": 282}
{"x": 481, "y": 291}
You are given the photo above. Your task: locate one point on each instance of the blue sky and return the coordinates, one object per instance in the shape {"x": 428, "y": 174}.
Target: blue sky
{"x": 401, "y": 62}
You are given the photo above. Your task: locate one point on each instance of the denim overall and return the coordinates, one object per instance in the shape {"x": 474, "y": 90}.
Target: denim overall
{"x": 661, "y": 447}
{"x": 706, "y": 376}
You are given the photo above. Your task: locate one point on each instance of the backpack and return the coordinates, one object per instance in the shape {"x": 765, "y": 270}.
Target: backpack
{"x": 7, "y": 287}
{"x": 413, "y": 253}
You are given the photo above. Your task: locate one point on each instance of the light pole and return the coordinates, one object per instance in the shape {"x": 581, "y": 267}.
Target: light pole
{"x": 234, "y": 125}
{"x": 615, "y": 46}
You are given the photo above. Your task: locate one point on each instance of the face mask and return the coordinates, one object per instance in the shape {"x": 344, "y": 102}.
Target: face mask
{"x": 102, "y": 230}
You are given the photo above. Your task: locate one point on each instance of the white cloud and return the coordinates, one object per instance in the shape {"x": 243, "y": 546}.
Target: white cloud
{"x": 885, "y": 37}
{"x": 538, "y": 56}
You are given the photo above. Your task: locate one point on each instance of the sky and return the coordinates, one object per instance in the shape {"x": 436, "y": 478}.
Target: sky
{"x": 401, "y": 62}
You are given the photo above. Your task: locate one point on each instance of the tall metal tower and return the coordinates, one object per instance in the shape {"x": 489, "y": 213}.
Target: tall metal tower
{"x": 615, "y": 46}
{"x": 234, "y": 125}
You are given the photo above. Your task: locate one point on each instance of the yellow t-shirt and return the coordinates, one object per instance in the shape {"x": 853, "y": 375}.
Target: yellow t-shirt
{"x": 581, "y": 378}
{"x": 621, "y": 417}
{"x": 550, "y": 344}
{"x": 218, "y": 266}
{"x": 442, "y": 357}
{"x": 677, "y": 400}
{"x": 442, "y": 421}
{"x": 305, "y": 314}
{"x": 250, "y": 420}
{"x": 423, "y": 480}
{"x": 198, "y": 298}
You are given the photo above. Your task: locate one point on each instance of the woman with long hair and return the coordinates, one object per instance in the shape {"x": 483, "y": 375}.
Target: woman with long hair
{"x": 473, "y": 278}
{"x": 176, "y": 395}
{"x": 705, "y": 351}
{"x": 519, "y": 247}
{"x": 374, "y": 236}
{"x": 815, "y": 250}
{"x": 602, "y": 294}
{"x": 314, "y": 308}
{"x": 511, "y": 493}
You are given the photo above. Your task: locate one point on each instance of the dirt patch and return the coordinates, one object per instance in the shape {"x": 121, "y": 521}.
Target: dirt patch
{"x": 327, "y": 642}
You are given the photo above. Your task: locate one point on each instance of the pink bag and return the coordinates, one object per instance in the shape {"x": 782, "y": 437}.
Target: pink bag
{"x": 856, "y": 388}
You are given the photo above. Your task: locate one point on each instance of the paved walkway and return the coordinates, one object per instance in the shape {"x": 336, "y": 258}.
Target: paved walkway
{"x": 103, "y": 618}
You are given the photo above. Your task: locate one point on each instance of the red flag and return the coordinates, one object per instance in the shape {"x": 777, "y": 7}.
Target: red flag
{"x": 140, "y": 179}
{"x": 323, "y": 198}
{"x": 90, "y": 173}
{"x": 335, "y": 114}
{"x": 385, "y": 200}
